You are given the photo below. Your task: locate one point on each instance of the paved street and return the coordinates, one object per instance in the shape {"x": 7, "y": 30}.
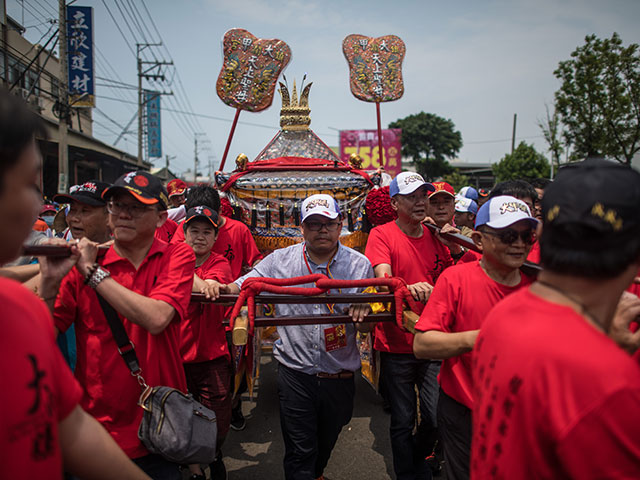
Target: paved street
{"x": 363, "y": 450}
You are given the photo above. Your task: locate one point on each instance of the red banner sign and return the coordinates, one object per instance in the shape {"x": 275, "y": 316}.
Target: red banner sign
{"x": 365, "y": 144}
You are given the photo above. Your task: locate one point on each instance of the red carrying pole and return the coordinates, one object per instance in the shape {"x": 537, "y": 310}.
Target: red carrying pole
{"x": 233, "y": 129}
{"x": 380, "y": 150}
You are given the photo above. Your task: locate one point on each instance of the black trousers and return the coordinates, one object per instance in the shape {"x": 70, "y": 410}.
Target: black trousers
{"x": 312, "y": 413}
{"x": 454, "y": 424}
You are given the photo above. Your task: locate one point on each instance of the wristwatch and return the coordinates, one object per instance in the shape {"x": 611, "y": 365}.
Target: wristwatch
{"x": 98, "y": 276}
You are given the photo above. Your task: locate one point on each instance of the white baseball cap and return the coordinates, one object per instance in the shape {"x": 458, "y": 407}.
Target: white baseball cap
{"x": 320, "y": 204}
{"x": 469, "y": 192}
{"x": 406, "y": 183}
{"x": 503, "y": 211}
{"x": 464, "y": 204}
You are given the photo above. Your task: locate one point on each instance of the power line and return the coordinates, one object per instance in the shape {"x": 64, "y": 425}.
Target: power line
{"x": 126, "y": 41}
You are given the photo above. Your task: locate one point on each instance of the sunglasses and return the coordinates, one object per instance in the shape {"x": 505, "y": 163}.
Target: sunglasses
{"x": 510, "y": 235}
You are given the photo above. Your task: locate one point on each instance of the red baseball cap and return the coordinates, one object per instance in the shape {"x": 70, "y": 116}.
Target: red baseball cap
{"x": 442, "y": 187}
{"x": 176, "y": 187}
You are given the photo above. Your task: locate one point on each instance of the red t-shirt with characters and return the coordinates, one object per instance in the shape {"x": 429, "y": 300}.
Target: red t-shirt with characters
{"x": 460, "y": 301}
{"x": 554, "y": 396}
{"x": 413, "y": 259}
{"x": 38, "y": 389}
{"x": 202, "y": 333}
{"x": 167, "y": 230}
{"x": 111, "y": 392}
{"x": 234, "y": 243}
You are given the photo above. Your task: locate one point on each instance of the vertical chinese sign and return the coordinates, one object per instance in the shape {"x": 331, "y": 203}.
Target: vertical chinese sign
{"x": 365, "y": 144}
{"x": 80, "y": 56}
{"x": 154, "y": 132}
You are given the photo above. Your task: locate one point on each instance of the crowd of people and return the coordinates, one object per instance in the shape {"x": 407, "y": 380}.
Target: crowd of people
{"x": 506, "y": 375}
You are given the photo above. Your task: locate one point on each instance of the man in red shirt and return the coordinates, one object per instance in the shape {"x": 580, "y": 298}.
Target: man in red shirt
{"x": 148, "y": 282}
{"x": 405, "y": 248}
{"x": 87, "y": 215}
{"x": 207, "y": 362}
{"x": 554, "y": 396}
{"x": 43, "y": 430}
{"x": 441, "y": 203}
{"x": 449, "y": 324}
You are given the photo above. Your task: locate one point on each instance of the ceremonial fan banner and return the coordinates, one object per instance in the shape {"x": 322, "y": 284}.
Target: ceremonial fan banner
{"x": 249, "y": 73}
{"x": 375, "y": 70}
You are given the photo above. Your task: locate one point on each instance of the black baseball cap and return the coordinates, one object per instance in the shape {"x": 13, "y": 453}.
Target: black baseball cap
{"x": 203, "y": 212}
{"x": 146, "y": 188}
{"x": 600, "y": 195}
{"x": 89, "y": 193}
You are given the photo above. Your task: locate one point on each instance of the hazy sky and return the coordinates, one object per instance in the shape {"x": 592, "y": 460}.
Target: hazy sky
{"x": 475, "y": 62}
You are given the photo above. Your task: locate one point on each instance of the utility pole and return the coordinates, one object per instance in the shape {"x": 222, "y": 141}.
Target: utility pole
{"x": 168, "y": 158}
{"x": 513, "y": 135}
{"x": 146, "y": 75}
{"x": 63, "y": 158}
{"x": 195, "y": 155}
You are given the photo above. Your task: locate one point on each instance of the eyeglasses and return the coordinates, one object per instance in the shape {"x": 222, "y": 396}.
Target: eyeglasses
{"x": 317, "y": 226}
{"x": 510, "y": 235}
{"x": 133, "y": 210}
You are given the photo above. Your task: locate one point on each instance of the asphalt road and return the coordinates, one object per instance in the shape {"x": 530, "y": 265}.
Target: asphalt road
{"x": 363, "y": 450}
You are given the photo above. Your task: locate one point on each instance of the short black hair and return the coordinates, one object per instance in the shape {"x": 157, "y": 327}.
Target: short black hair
{"x": 18, "y": 127}
{"x": 541, "y": 183}
{"x": 203, "y": 195}
{"x": 579, "y": 260}
{"x": 519, "y": 189}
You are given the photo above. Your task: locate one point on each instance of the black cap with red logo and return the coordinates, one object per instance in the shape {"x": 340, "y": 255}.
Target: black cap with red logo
{"x": 146, "y": 188}
{"x": 202, "y": 212}
{"x": 89, "y": 193}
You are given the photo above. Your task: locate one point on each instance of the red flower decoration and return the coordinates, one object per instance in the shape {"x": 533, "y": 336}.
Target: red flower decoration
{"x": 378, "y": 207}
{"x": 225, "y": 207}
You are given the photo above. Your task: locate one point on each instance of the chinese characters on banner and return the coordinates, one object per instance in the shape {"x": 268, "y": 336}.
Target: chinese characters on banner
{"x": 250, "y": 70}
{"x": 365, "y": 144}
{"x": 154, "y": 133}
{"x": 80, "y": 56}
{"x": 375, "y": 67}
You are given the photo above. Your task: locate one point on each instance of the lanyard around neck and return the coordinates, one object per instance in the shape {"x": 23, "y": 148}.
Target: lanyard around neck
{"x": 330, "y": 306}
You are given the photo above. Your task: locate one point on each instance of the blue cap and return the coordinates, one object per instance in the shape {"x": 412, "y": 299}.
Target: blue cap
{"x": 468, "y": 192}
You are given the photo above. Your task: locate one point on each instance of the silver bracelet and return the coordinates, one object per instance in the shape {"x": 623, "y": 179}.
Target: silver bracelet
{"x": 98, "y": 276}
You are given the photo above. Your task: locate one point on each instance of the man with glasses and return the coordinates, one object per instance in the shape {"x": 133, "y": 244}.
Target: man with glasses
{"x": 406, "y": 248}
{"x": 148, "y": 282}
{"x": 457, "y": 307}
{"x": 316, "y": 362}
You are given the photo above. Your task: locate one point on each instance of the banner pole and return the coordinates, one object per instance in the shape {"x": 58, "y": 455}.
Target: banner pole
{"x": 226, "y": 149}
{"x": 380, "y": 150}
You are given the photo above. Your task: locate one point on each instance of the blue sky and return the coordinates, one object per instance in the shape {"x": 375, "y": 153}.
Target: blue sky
{"x": 475, "y": 62}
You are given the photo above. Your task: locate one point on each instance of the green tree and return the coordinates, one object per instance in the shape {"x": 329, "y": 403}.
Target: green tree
{"x": 599, "y": 99}
{"x": 525, "y": 162}
{"x": 456, "y": 180}
{"x": 429, "y": 140}
{"x": 551, "y": 129}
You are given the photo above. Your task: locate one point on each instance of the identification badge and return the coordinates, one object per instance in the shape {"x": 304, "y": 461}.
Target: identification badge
{"x": 335, "y": 338}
